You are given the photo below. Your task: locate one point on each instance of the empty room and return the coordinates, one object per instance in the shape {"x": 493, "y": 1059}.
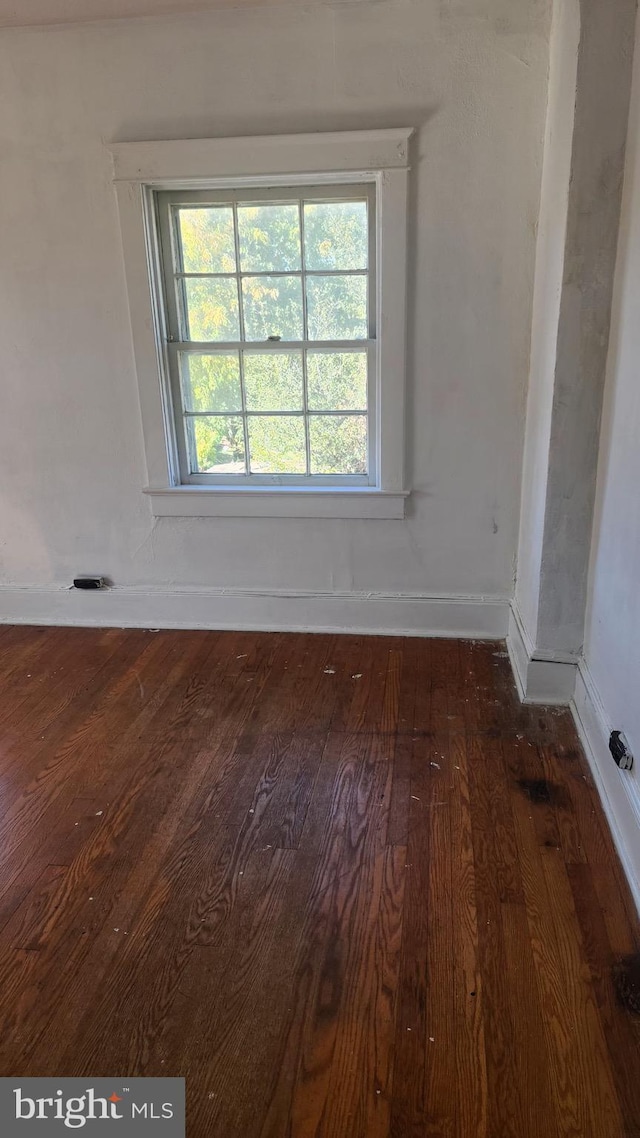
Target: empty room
{"x": 320, "y": 568}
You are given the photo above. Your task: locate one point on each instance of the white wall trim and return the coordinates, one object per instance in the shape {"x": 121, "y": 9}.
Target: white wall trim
{"x": 619, "y": 790}
{"x": 285, "y": 502}
{"x": 541, "y": 677}
{"x": 379, "y": 157}
{"x": 410, "y": 614}
{"x": 200, "y": 159}
{"x": 518, "y": 650}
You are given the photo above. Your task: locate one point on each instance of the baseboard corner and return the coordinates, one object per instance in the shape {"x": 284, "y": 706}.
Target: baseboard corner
{"x": 548, "y": 682}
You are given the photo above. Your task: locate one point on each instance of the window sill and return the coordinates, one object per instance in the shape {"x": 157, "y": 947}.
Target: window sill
{"x": 285, "y": 502}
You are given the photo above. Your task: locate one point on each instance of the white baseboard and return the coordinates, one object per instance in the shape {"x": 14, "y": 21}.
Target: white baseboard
{"x": 538, "y": 679}
{"x": 619, "y": 790}
{"x": 403, "y": 614}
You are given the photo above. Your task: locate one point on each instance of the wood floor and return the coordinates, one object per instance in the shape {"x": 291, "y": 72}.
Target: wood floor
{"x": 347, "y": 886}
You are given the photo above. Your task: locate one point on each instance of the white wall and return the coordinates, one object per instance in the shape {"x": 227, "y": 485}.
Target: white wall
{"x": 591, "y": 72}
{"x": 608, "y": 687}
{"x": 472, "y": 75}
{"x": 565, "y": 38}
{"x": 612, "y": 644}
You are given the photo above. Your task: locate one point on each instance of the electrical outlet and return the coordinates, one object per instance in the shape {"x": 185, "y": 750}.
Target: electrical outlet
{"x": 621, "y": 751}
{"x": 87, "y": 582}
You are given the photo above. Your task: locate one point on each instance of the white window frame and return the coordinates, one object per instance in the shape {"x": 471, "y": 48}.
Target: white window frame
{"x": 377, "y": 158}
{"x": 167, "y": 205}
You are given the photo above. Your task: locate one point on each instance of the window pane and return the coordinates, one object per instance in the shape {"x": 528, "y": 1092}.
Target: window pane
{"x": 277, "y": 444}
{"x": 273, "y": 381}
{"x": 338, "y": 444}
{"x": 216, "y": 444}
{"x": 211, "y": 383}
{"x": 337, "y": 308}
{"x": 269, "y": 238}
{"x": 212, "y": 309}
{"x": 207, "y": 240}
{"x": 272, "y": 307}
{"x": 337, "y": 381}
{"x": 335, "y": 235}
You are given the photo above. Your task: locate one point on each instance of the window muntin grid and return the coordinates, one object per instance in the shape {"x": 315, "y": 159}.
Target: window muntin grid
{"x": 308, "y": 431}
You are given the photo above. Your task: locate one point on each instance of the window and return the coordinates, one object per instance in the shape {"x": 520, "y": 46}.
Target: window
{"x": 267, "y": 311}
{"x": 271, "y": 327}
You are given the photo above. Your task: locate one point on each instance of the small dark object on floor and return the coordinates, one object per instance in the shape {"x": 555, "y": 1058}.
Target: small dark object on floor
{"x": 626, "y": 980}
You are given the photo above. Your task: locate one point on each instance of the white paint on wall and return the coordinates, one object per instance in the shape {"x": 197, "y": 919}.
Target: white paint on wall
{"x": 579, "y": 235}
{"x": 472, "y": 78}
{"x": 42, "y": 12}
{"x": 595, "y": 198}
{"x": 612, "y": 645}
{"x": 550, "y": 253}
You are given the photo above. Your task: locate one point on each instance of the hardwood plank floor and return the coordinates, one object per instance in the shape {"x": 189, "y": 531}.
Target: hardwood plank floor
{"x": 348, "y": 887}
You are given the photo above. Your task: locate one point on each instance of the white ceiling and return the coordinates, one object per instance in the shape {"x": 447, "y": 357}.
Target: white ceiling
{"x": 25, "y": 13}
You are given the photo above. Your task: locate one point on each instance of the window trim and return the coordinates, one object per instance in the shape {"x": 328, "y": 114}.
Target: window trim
{"x": 141, "y": 170}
